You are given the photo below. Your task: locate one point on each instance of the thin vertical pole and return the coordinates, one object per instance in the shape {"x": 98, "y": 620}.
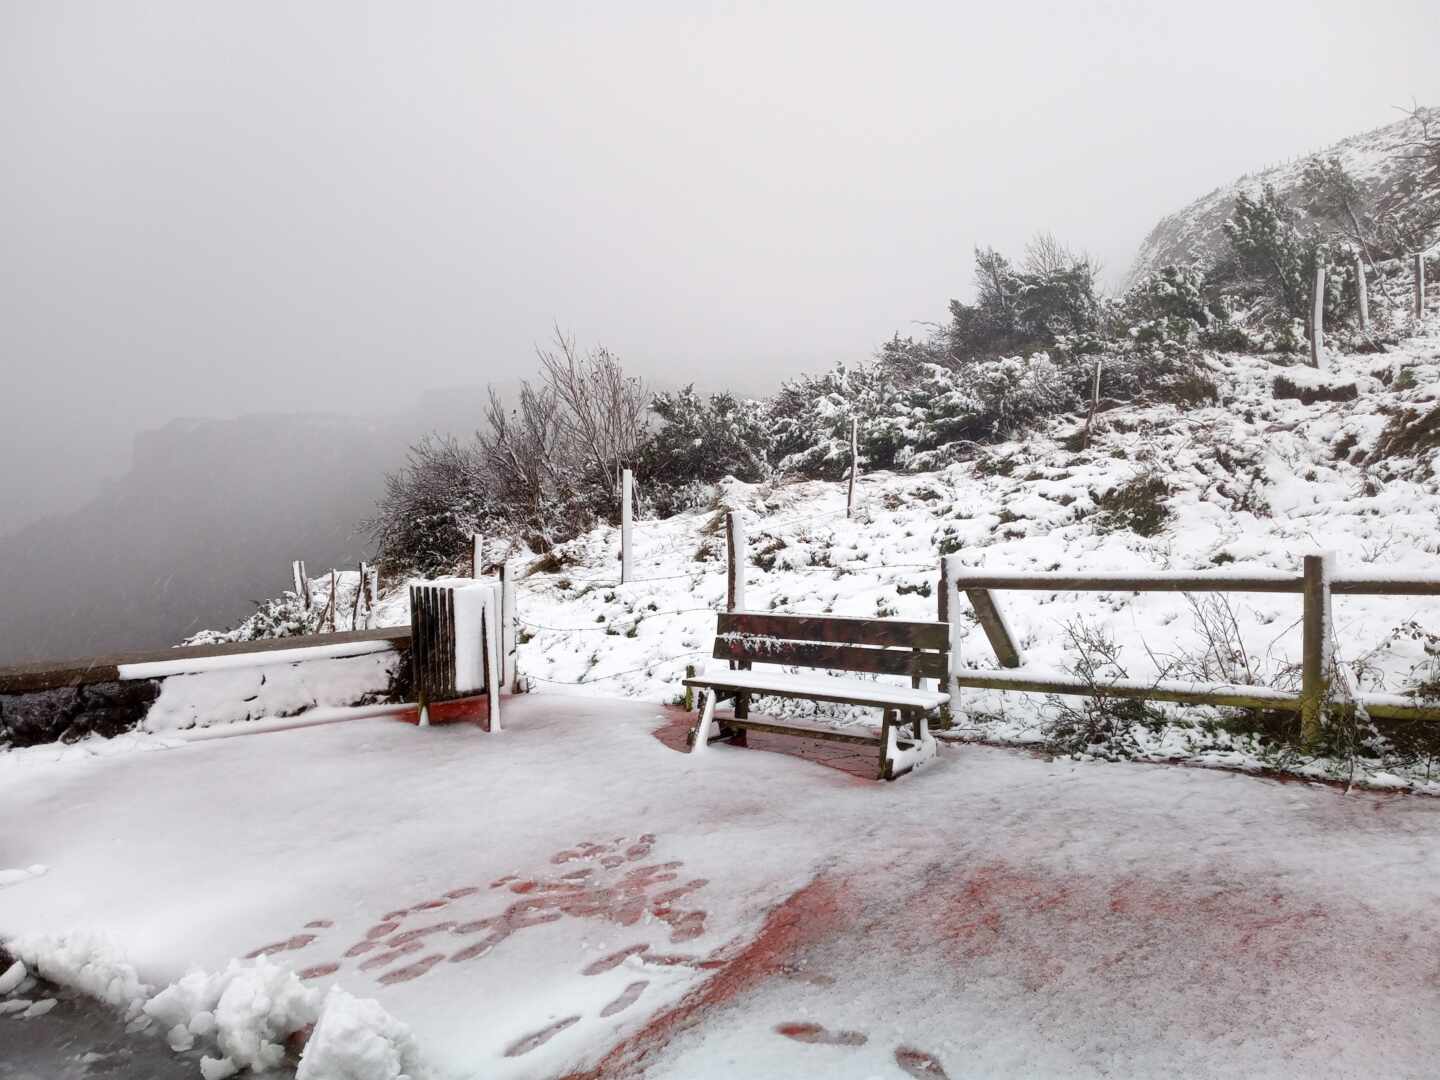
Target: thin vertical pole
{"x": 507, "y": 626}
{"x": 1094, "y": 404}
{"x": 949, "y": 566}
{"x": 1419, "y": 284}
{"x": 1363, "y": 293}
{"x": 943, "y": 605}
{"x": 1314, "y": 651}
{"x": 735, "y": 561}
{"x": 626, "y": 492}
{"x": 854, "y": 466}
{"x": 331, "y": 606}
{"x": 1317, "y": 321}
{"x": 477, "y": 555}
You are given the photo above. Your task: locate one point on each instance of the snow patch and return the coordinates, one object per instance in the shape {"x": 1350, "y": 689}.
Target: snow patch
{"x": 14, "y": 877}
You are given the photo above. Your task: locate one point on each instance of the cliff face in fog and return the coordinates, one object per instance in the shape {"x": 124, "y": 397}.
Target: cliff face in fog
{"x": 205, "y": 521}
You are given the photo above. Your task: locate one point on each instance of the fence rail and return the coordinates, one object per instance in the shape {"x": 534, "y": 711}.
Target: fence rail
{"x": 1316, "y": 584}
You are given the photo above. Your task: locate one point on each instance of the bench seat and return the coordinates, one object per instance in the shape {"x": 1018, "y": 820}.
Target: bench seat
{"x": 822, "y": 688}
{"x": 824, "y": 644}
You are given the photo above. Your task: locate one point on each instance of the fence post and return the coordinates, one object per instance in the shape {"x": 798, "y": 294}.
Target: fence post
{"x": 331, "y": 605}
{"x": 1094, "y": 405}
{"x": 1419, "y": 284}
{"x": 359, "y": 595}
{"x": 1363, "y": 293}
{"x": 943, "y": 607}
{"x": 735, "y": 592}
{"x": 1315, "y": 648}
{"x": 302, "y": 582}
{"x": 854, "y": 465}
{"x": 950, "y": 613}
{"x": 1317, "y": 321}
{"x": 627, "y": 483}
{"x": 735, "y": 561}
{"x": 508, "y": 651}
{"x": 477, "y": 554}
{"x": 689, "y": 690}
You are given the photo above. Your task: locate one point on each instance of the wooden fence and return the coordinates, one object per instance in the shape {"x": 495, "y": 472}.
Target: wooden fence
{"x": 1316, "y": 585}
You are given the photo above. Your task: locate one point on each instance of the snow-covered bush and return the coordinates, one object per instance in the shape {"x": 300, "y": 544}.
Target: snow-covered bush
{"x": 286, "y": 615}
{"x": 434, "y": 505}
{"x": 700, "y": 441}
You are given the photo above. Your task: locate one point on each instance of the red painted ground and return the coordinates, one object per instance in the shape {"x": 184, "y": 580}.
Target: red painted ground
{"x": 861, "y": 762}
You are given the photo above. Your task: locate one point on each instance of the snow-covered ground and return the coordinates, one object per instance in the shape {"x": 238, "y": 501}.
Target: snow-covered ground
{"x": 574, "y": 895}
{"x": 1256, "y": 483}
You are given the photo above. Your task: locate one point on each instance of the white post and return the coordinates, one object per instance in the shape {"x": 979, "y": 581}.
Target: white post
{"x": 854, "y": 465}
{"x": 735, "y": 559}
{"x": 1317, "y": 321}
{"x": 507, "y": 626}
{"x": 477, "y": 555}
{"x": 1363, "y": 293}
{"x": 626, "y": 488}
{"x": 949, "y": 572}
{"x": 1419, "y": 285}
{"x": 494, "y": 665}
{"x": 302, "y": 582}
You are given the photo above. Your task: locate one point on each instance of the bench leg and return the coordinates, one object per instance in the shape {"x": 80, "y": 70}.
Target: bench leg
{"x": 887, "y": 764}
{"x": 700, "y": 734}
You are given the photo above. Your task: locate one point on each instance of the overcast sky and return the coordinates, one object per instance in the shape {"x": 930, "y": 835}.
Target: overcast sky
{"x": 214, "y": 208}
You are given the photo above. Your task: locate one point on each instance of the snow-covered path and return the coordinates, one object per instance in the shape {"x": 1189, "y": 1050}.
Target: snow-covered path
{"x": 574, "y": 895}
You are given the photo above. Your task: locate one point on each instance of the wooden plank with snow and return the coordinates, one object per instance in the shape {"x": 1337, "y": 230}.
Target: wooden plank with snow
{"x": 919, "y": 650}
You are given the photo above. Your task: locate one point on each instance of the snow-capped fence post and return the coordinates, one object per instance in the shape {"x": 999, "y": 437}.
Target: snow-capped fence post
{"x": 1419, "y": 284}
{"x": 359, "y": 596}
{"x": 330, "y": 604}
{"x": 1362, "y": 293}
{"x": 735, "y": 558}
{"x": 1315, "y": 647}
{"x": 302, "y": 582}
{"x": 508, "y": 652}
{"x": 854, "y": 466}
{"x": 946, "y": 612}
{"x": 477, "y": 555}
{"x": 1094, "y": 405}
{"x": 627, "y": 490}
{"x": 1317, "y": 321}
{"x": 735, "y": 562}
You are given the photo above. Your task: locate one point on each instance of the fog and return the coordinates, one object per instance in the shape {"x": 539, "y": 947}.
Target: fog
{"x": 220, "y": 209}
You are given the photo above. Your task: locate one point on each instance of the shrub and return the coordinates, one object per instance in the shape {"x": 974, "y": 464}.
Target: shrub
{"x": 433, "y": 507}
{"x": 700, "y": 441}
{"x": 1137, "y": 505}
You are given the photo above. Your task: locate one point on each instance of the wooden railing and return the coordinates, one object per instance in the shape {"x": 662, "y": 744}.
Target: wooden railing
{"x": 1316, "y": 584}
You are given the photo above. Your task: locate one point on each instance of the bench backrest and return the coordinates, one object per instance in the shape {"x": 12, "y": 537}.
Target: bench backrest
{"x": 875, "y": 646}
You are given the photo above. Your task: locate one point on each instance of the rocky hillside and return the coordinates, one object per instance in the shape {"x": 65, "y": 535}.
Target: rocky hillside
{"x": 1373, "y": 160}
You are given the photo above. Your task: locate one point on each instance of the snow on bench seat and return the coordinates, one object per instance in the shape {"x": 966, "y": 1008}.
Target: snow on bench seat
{"x": 823, "y": 688}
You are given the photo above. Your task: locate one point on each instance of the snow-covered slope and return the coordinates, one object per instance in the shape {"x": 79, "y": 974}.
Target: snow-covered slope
{"x": 1189, "y": 235}
{"x": 1255, "y": 482}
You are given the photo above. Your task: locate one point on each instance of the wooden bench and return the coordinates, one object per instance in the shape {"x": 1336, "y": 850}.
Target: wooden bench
{"x": 920, "y": 650}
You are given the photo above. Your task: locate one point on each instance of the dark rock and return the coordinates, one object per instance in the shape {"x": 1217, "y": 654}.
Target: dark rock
{"x": 39, "y": 717}
{"x": 131, "y": 694}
